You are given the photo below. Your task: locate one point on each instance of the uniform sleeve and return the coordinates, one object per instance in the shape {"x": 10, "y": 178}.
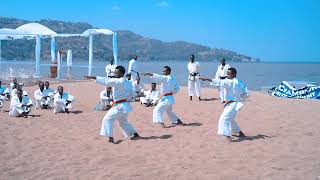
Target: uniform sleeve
{"x": 70, "y": 97}
{"x": 176, "y": 87}
{"x": 217, "y": 73}
{"x": 37, "y": 95}
{"x": 244, "y": 91}
{"x": 15, "y": 102}
{"x": 219, "y": 83}
{"x": 158, "y": 77}
{"x": 111, "y": 82}
{"x": 102, "y": 96}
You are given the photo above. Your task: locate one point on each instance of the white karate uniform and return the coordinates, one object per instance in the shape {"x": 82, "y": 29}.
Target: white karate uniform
{"x": 110, "y": 70}
{"x": 150, "y": 96}
{"x": 133, "y": 68}
{"x": 235, "y": 90}
{"x": 193, "y": 81}
{"x": 168, "y": 85}
{"x": 222, "y": 72}
{"x": 40, "y": 100}
{"x": 105, "y": 100}
{"x": 14, "y": 92}
{"x": 16, "y": 108}
{"x": 136, "y": 88}
{"x": 3, "y": 90}
{"x": 121, "y": 89}
{"x": 59, "y": 104}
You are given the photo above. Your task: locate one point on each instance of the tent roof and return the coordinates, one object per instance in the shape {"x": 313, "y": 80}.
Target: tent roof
{"x": 97, "y": 31}
{"x": 35, "y": 29}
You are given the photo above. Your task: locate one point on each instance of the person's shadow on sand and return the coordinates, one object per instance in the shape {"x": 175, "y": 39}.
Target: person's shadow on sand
{"x": 166, "y": 136}
{"x": 76, "y": 112}
{"x": 251, "y": 138}
{"x": 209, "y": 99}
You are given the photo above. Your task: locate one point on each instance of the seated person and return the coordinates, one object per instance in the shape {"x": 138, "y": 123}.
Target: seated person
{"x": 43, "y": 100}
{"x": 4, "y": 94}
{"x": 106, "y": 98}
{"x": 51, "y": 92}
{"x": 62, "y": 101}
{"x": 20, "y": 105}
{"x": 17, "y": 87}
{"x": 137, "y": 87}
{"x": 151, "y": 96}
{"x": 13, "y": 82}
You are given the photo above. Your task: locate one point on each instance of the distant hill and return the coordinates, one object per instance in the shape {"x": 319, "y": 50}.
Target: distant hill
{"x": 129, "y": 44}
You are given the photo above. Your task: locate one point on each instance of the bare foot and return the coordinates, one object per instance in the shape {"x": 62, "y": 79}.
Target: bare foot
{"x": 111, "y": 140}
{"x": 229, "y": 139}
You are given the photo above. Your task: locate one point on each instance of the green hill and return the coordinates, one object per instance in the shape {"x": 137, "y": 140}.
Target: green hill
{"x": 129, "y": 44}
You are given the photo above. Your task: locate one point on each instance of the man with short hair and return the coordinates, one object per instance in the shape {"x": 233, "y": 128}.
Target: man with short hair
{"x": 222, "y": 74}
{"x": 4, "y": 94}
{"x": 111, "y": 68}
{"x": 151, "y": 96}
{"x": 133, "y": 67}
{"x": 62, "y": 101}
{"x": 169, "y": 87}
{"x": 20, "y": 105}
{"x": 43, "y": 99}
{"x": 193, "y": 82}
{"x": 122, "y": 91}
{"x": 106, "y": 98}
{"x": 236, "y": 91}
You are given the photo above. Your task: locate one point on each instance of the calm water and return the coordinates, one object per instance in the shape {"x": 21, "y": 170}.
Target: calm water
{"x": 255, "y": 75}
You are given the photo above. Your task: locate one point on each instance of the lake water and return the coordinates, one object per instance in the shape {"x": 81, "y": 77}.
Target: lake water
{"x": 257, "y": 76}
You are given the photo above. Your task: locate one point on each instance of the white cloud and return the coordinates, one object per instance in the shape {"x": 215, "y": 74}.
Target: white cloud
{"x": 115, "y": 8}
{"x": 162, "y": 4}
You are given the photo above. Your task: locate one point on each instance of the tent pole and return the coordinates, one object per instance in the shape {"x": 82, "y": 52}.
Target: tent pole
{"x": 115, "y": 48}
{"x": 38, "y": 52}
{"x": 90, "y": 55}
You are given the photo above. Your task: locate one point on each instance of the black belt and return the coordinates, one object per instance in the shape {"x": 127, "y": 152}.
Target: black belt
{"x": 194, "y": 74}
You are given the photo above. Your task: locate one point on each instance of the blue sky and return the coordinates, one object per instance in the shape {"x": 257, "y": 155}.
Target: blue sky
{"x": 273, "y": 30}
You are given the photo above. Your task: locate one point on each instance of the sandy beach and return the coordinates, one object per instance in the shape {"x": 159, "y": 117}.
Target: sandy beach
{"x": 282, "y": 141}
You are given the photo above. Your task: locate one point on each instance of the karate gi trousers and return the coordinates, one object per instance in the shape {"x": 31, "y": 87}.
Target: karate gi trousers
{"x": 117, "y": 112}
{"x": 164, "y": 105}
{"x": 227, "y": 123}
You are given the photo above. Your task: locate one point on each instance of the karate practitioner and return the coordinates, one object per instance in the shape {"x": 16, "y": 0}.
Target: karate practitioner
{"x": 106, "y": 98}
{"x": 193, "y": 82}
{"x": 62, "y": 101}
{"x": 49, "y": 90}
{"x": 151, "y": 96}
{"x": 42, "y": 97}
{"x": 111, "y": 68}
{"x": 169, "y": 87}
{"x": 236, "y": 91}
{"x": 133, "y": 67}
{"x": 4, "y": 94}
{"x": 137, "y": 87}
{"x": 222, "y": 74}
{"x": 17, "y": 87}
{"x": 122, "y": 91}
{"x": 20, "y": 105}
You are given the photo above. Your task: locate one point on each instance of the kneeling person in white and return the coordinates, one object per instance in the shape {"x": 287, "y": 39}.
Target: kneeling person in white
{"x": 106, "y": 98}
{"x": 122, "y": 91}
{"x": 62, "y": 101}
{"x": 235, "y": 92}
{"x": 169, "y": 87}
{"x": 20, "y": 105}
{"x": 151, "y": 96}
{"x": 42, "y": 97}
{"x": 4, "y": 94}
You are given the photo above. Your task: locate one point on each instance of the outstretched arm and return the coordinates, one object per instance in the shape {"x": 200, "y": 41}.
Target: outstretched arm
{"x": 147, "y": 74}
{"x": 205, "y": 79}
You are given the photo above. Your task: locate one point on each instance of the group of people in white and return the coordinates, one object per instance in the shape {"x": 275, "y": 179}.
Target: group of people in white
{"x": 120, "y": 89}
{"x": 45, "y": 98}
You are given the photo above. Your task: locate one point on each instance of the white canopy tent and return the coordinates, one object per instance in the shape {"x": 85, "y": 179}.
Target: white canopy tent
{"x": 38, "y": 31}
